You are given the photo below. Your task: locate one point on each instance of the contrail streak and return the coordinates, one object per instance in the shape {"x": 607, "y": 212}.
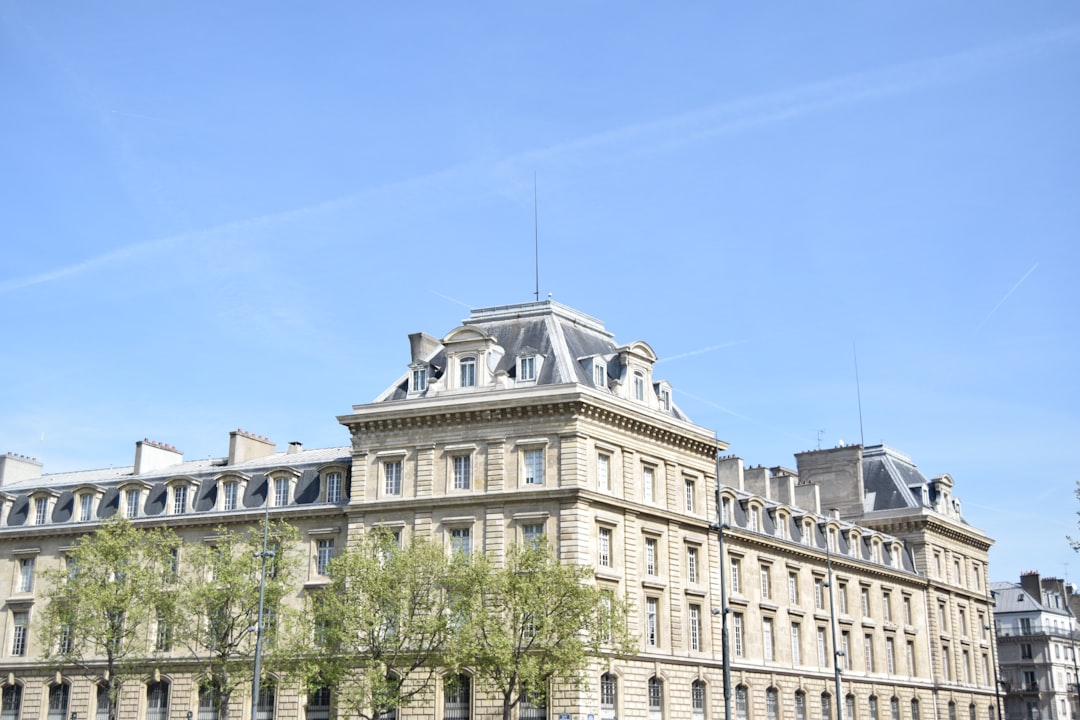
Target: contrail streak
{"x": 1002, "y": 300}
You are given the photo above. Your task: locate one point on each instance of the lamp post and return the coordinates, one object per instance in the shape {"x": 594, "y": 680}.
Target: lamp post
{"x": 262, "y": 598}
{"x": 837, "y": 652}
{"x": 992, "y": 598}
{"x": 724, "y": 610}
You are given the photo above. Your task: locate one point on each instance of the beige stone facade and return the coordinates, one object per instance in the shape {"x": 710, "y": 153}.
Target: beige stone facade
{"x": 530, "y": 419}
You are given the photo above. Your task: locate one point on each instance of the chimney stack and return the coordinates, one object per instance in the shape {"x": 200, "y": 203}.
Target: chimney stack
{"x": 16, "y": 468}
{"x": 244, "y": 446}
{"x": 151, "y": 455}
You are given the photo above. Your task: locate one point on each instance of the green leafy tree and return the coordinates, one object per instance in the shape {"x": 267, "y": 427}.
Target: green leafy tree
{"x": 383, "y": 624}
{"x": 534, "y": 622}
{"x": 104, "y": 607}
{"x": 219, "y": 591}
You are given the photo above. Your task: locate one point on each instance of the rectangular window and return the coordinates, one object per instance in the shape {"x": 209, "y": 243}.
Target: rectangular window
{"x": 772, "y": 705}
{"x": 767, "y": 638}
{"x": 599, "y": 374}
{"x": 742, "y": 703}
{"x": 603, "y": 470}
{"x": 648, "y": 484}
{"x": 531, "y": 533}
{"x": 868, "y": 652}
{"x": 462, "y": 472}
{"x": 793, "y": 588}
{"x": 691, "y": 564}
{"x": 894, "y": 708}
{"x": 639, "y": 387}
{"x": 163, "y": 641}
{"x": 890, "y": 656}
{"x": 41, "y": 508}
{"x": 392, "y": 477}
{"x": 735, "y": 584}
{"x": 86, "y": 504}
{"x": 864, "y": 599}
{"x": 765, "y": 582}
{"x": 796, "y": 644}
{"x": 527, "y": 368}
{"x": 324, "y": 553}
{"x": 819, "y": 594}
{"x": 603, "y": 554}
{"x": 873, "y": 708}
{"x": 841, "y": 597}
{"x": 946, "y": 662}
{"x": 652, "y": 611}
{"x": 461, "y": 540}
{"x": 737, "y": 633}
{"x": 230, "y": 490}
{"x": 822, "y": 648}
{"x": 689, "y": 487}
{"x": 467, "y": 368}
{"x": 800, "y": 706}
{"x": 333, "y": 487}
{"x": 650, "y": 556}
{"x": 180, "y": 499}
{"x": 281, "y": 492}
{"x": 419, "y": 379}
{"x": 911, "y": 658}
{"x": 826, "y": 706}
{"x": 695, "y": 627}
{"x": 131, "y": 503}
{"x": 845, "y": 647}
{"x": 21, "y": 624}
{"x": 26, "y": 575}
{"x": 534, "y": 467}
{"x": 886, "y": 605}
{"x": 907, "y": 609}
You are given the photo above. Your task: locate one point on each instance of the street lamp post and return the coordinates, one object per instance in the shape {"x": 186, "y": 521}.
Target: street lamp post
{"x": 266, "y": 553}
{"x": 837, "y": 652}
{"x": 724, "y": 610}
{"x": 993, "y": 654}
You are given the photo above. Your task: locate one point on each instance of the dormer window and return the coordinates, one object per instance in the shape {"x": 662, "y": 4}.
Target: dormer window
{"x": 230, "y": 492}
{"x": 665, "y": 399}
{"x": 333, "y": 487}
{"x": 599, "y": 373}
{"x": 526, "y": 371}
{"x": 131, "y": 502}
{"x": 86, "y": 507}
{"x": 280, "y": 486}
{"x": 41, "y": 510}
{"x": 179, "y": 499}
{"x": 639, "y": 386}
{"x": 419, "y": 379}
{"x": 467, "y": 371}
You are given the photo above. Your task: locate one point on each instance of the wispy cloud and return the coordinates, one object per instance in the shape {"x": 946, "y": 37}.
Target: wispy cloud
{"x": 655, "y": 136}
{"x": 702, "y": 351}
{"x": 1006, "y": 297}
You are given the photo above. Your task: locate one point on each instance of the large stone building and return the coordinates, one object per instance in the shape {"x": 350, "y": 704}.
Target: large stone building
{"x": 1036, "y": 638}
{"x": 531, "y": 419}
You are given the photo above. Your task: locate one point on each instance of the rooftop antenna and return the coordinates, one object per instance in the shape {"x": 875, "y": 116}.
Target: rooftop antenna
{"x": 858, "y": 393}
{"x": 536, "y": 239}
{"x": 820, "y": 432}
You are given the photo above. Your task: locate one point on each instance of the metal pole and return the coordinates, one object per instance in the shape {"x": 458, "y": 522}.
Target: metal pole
{"x": 992, "y": 627}
{"x": 837, "y": 652}
{"x": 262, "y": 598}
{"x": 725, "y": 646}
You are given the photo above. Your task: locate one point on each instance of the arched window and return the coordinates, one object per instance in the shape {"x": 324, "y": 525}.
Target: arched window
{"x": 697, "y": 699}
{"x": 742, "y": 702}
{"x": 533, "y": 706}
{"x": 639, "y": 386}
{"x": 267, "y": 699}
{"x": 914, "y": 709}
{"x": 656, "y": 698}
{"x": 971, "y": 711}
{"x": 12, "y": 702}
{"x": 872, "y": 702}
{"x": 772, "y": 704}
{"x": 849, "y": 707}
{"x": 608, "y": 696}
{"x": 102, "y": 712}
{"x": 826, "y": 706}
{"x": 952, "y": 710}
{"x": 209, "y": 702}
{"x": 58, "y": 701}
{"x": 457, "y": 694}
{"x": 894, "y": 708}
{"x": 800, "y": 705}
{"x": 467, "y": 368}
{"x": 157, "y": 700}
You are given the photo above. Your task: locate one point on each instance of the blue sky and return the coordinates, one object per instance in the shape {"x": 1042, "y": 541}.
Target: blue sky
{"x": 223, "y": 215}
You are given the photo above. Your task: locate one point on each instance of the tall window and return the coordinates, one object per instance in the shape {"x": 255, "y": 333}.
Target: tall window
{"x": 886, "y": 605}
{"x": 461, "y": 540}
{"x": 527, "y": 368}
{"x": 695, "y": 627}
{"x": 894, "y": 708}
{"x": 392, "y": 477}
{"x": 849, "y": 706}
{"x": 163, "y": 641}
{"x": 26, "y": 575}
{"x": 754, "y": 514}
{"x": 907, "y": 610}
{"x": 772, "y": 704}
{"x": 603, "y": 550}
{"x": 648, "y": 484}
{"x": 462, "y": 472}
{"x": 180, "y": 494}
{"x": 890, "y": 655}
{"x": 765, "y": 594}
{"x": 737, "y": 633}
{"x": 826, "y": 706}
{"x": 872, "y": 703}
{"x": 86, "y": 505}
{"x": 914, "y": 709}
{"x": 608, "y": 697}
{"x": 209, "y": 703}
{"x": 822, "y": 648}
{"x": 603, "y": 472}
{"x": 819, "y": 594}
{"x": 58, "y": 701}
{"x": 741, "y": 702}
{"x": 688, "y": 486}
{"x": 264, "y": 709}
{"x": 467, "y": 367}
{"x": 131, "y": 503}
{"x": 419, "y": 379}
{"x": 650, "y": 556}
{"x": 796, "y": 644}
{"x": 333, "y": 487}
{"x": 793, "y": 587}
{"x": 639, "y": 386}
{"x": 534, "y": 466}
{"x": 456, "y": 698}
{"x": 911, "y": 657}
{"x": 656, "y": 698}
{"x": 845, "y": 647}
{"x": 652, "y": 630}
{"x": 281, "y": 492}
{"x": 230, "y": 490}
{"x": 864, "y": 598}
{"x": 767, "y": 637}
{"x": 41, "y": 508}
{"x": 103, "y": 704}
{"x": 599, "y": 374}
{"x": 324, "y": 553}
{"x": 20, "y": 626}
{"x": 841, "y": 597}
{"x": 12, "y": 702}
{"x": 868, "y": 652}
{"x": 735, "y": 584}
{"x": 697, "y": 700}
{"x": 157, "y": 700}
{"x": 691, "y": 564}
{"x": 800, "y": 705}
{"x": 531, "y": 533}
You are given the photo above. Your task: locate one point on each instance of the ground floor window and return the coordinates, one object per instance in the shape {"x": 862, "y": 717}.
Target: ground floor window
{"x": 12, "y": 702}
{"x": 58, "y": 701}
{"x": 608, "y": 696}
{"x": 656, "y": 698}
{"x": 267, "y": 700}
{"x": 157, "y": 700}
{"x": 456, "y": 698}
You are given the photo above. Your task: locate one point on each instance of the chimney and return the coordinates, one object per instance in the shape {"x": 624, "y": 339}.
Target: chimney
{"x": 422, "y": 346}
{"x": 1032, "y": 584}
{"x": 244, "y": 446}
{"x": 16, "y": 468}
{"x": 295, "y": 446}
{"x": 151, "y": 455}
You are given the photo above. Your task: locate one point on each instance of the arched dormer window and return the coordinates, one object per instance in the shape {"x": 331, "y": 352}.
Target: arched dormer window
{"x": 781, "y": 525}
{"x": 753, "y": 516}
{"x": 333, "y": 484}
{"x": 41, "y": 506}
{"x": 639, "y": 386}
{"x": 86, "y": 499}
{"x": 132, "y": 496}
{"x": 282, "y": 482}
{"x": 231, "y": 491}
{"x": 467, "y": 371}
{"x": 853, "y": 543}
{"x": 181, "y": 496}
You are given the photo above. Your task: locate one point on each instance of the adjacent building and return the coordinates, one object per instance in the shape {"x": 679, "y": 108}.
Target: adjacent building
{"x": 532, "y": 420}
